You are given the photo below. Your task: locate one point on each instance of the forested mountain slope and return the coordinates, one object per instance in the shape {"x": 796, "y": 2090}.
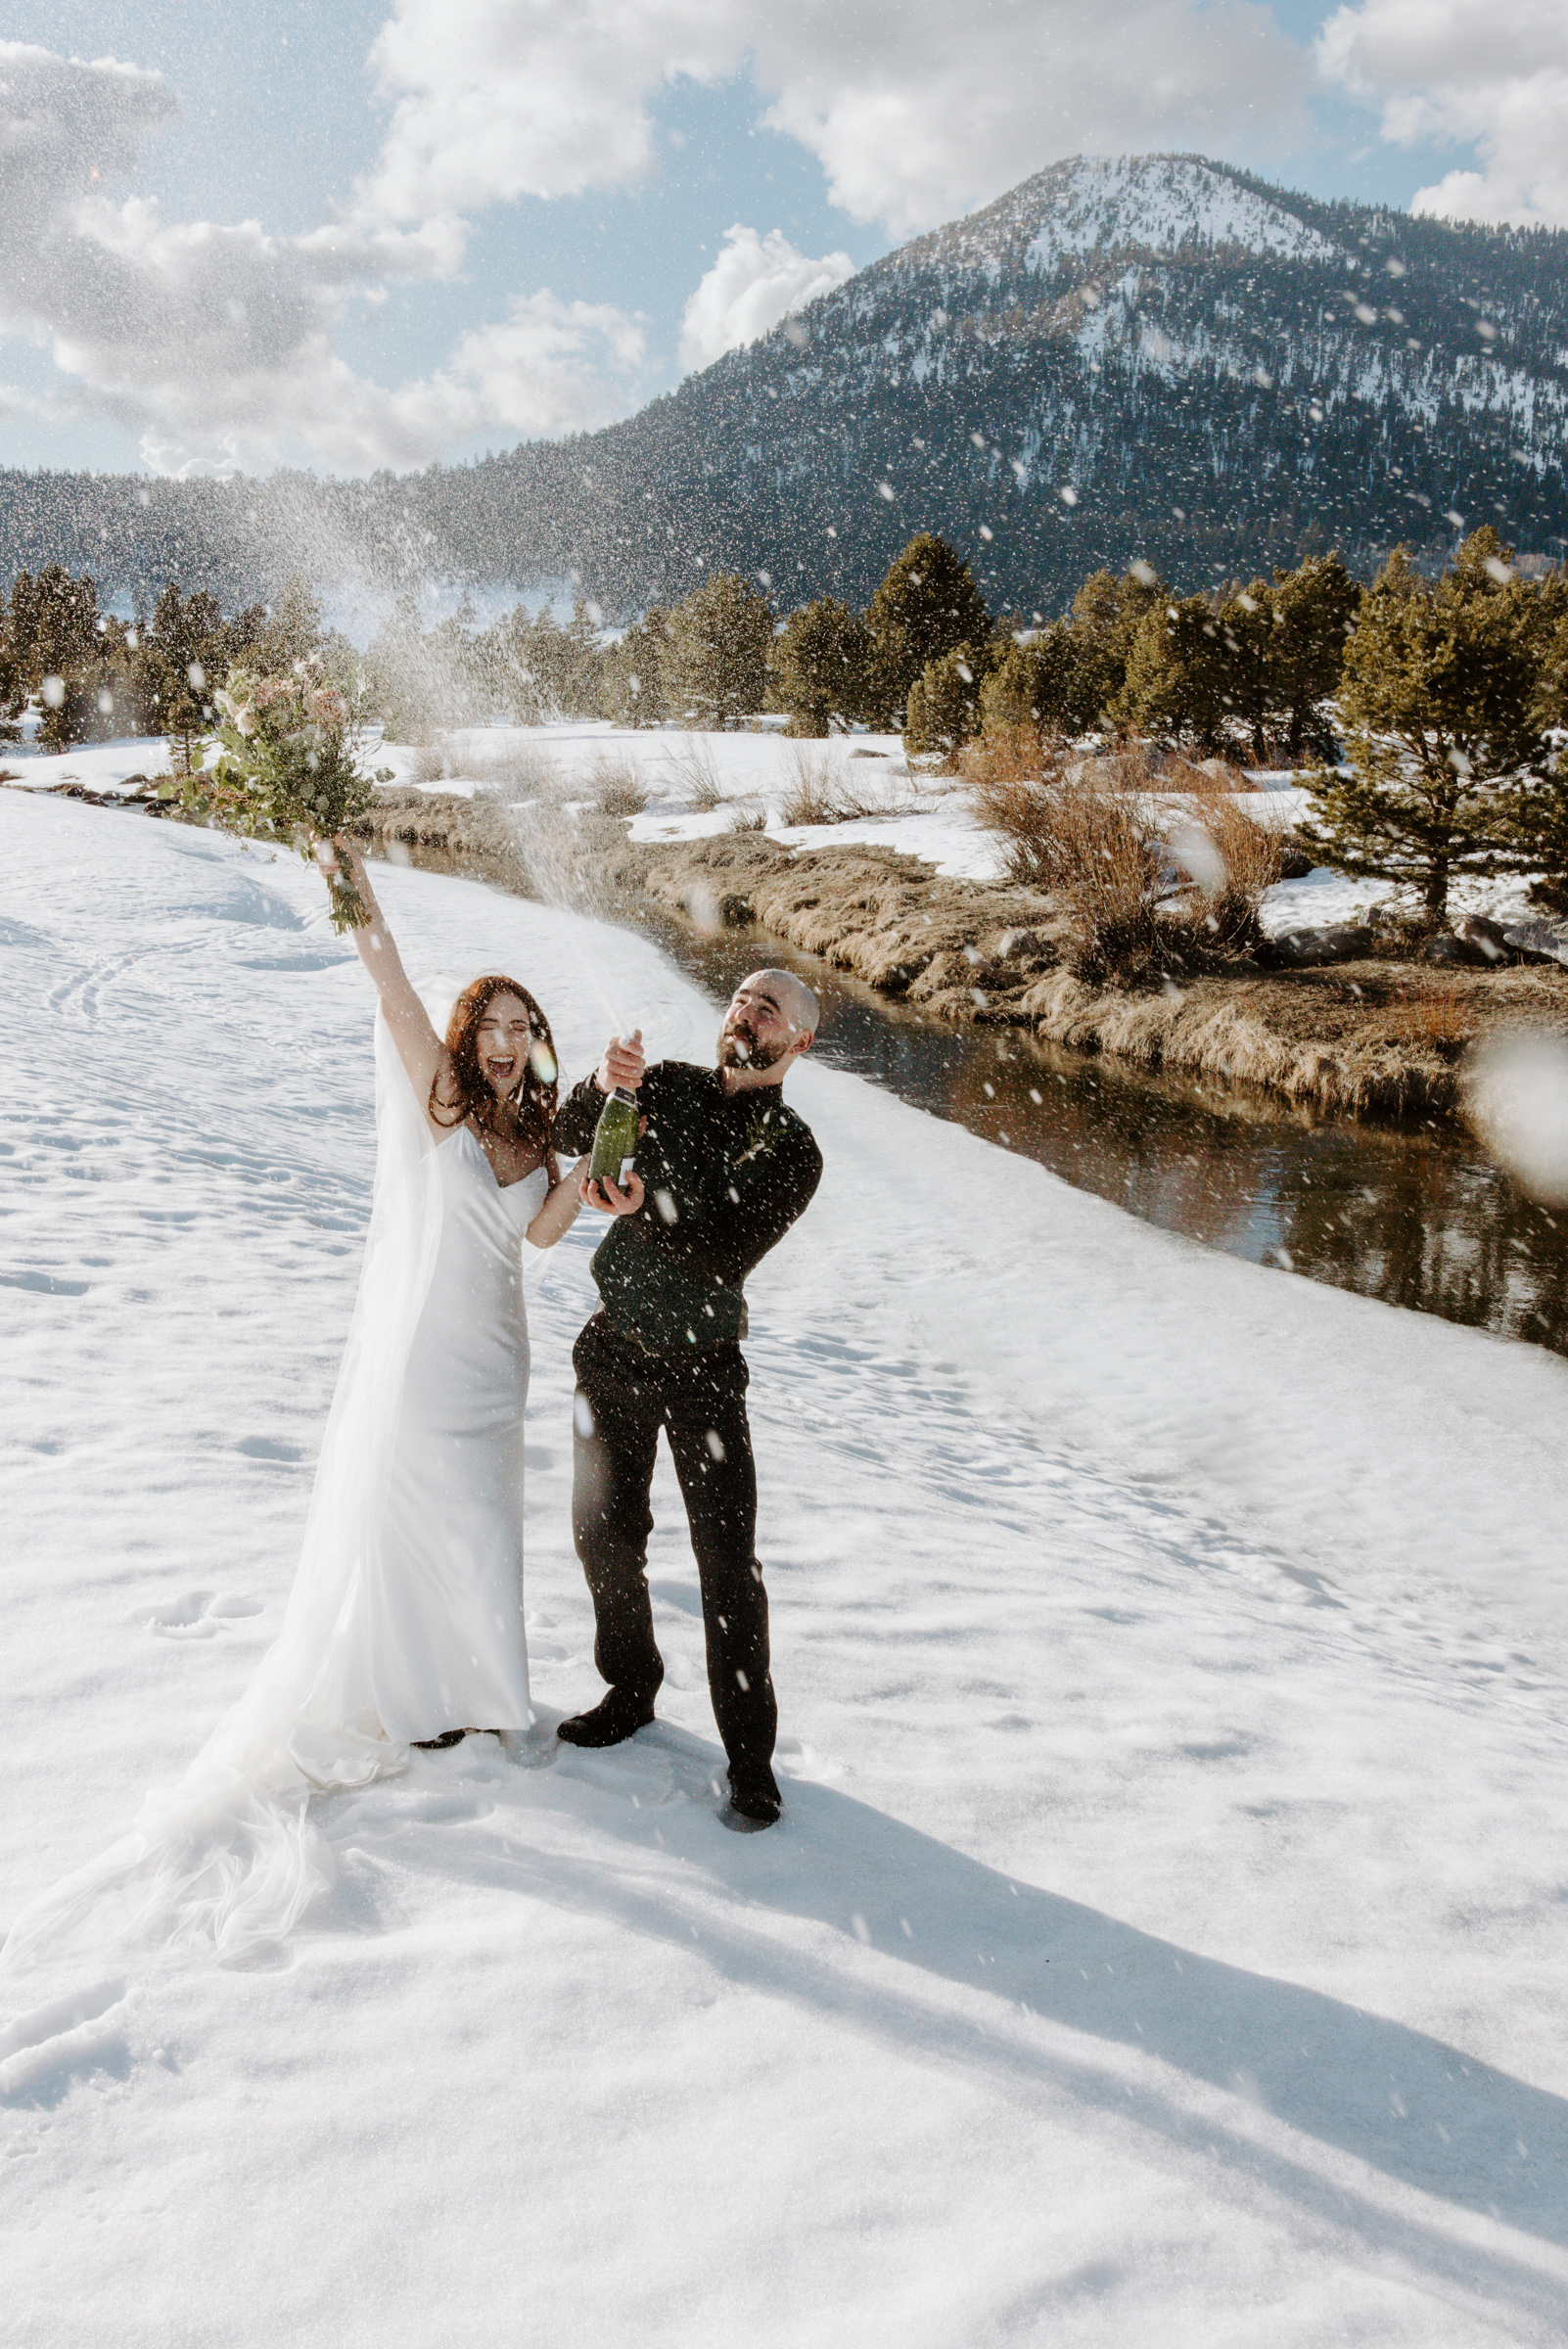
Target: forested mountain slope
{"x": 1151, "y": 355}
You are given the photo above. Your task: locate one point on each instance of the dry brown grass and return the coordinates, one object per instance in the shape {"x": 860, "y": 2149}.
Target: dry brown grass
{"x": 525, "y": 771}
{"x": 617, "y": 787}
{"x": 696, "y": 773}
{"x": 1236, "y": 860}
{"x": 1204, "y": 776}
{"x": 813, "y": 793}
{"x": 1097, "y": 836}
{"x": 515, "y": 772}
{"x": 1077, "y": 829}
{"x": 1426, "y": 1011}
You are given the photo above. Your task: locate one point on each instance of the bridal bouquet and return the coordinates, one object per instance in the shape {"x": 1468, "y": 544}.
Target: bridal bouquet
{"x": 283, "y": 766}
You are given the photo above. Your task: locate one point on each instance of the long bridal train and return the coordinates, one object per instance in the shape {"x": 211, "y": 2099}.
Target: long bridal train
{"x": 227, "y": 1858}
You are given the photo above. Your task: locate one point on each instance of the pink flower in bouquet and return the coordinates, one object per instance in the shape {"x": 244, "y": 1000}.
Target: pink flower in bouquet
{"x": 272, "y": 689}
{"x": 328, "y": 707}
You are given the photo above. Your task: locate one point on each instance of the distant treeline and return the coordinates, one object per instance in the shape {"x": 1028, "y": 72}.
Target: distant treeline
{"x": 1248, "y": 670}
{"x": 1436, "y": 710}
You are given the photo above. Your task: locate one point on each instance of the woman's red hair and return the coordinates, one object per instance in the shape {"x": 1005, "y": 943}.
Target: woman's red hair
{"x": 461, "y": 1089}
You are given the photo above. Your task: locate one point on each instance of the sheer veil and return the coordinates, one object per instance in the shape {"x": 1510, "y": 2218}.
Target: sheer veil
{"x": 227, "y": 1857}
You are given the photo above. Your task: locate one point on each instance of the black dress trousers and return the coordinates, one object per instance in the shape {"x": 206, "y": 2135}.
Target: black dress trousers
{"x": 625, "y": 1394}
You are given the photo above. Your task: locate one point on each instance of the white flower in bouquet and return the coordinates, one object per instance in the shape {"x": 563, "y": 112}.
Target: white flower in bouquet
{"x": 284, "y": 765}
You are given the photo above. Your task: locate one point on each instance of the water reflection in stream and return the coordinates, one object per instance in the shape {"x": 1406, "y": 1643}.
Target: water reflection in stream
{"x": 1415, "y": 1213}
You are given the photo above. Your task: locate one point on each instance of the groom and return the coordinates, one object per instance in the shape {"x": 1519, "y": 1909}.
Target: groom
{"x": 723, "y": 1168}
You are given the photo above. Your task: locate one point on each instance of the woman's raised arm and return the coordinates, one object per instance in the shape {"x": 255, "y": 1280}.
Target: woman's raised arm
{"x": 419, "y": 1047}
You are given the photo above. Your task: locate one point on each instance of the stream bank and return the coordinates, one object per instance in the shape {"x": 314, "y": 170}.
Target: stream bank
{"x": 1409, "y": 1211}
{"x": 1369, "y": 1040}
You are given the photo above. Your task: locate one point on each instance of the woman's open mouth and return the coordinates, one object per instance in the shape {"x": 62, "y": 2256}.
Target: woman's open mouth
{"x": 498, "y": 1069}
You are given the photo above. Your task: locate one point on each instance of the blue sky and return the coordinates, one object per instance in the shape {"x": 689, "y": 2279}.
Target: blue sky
{"x": 533, "y": 198}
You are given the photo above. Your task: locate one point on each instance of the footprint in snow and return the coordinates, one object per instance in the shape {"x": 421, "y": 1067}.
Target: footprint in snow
{"x": 443, "y": 1810}
{"x": 44, "y": 2051}
{"x": 195, "y": 1614}
{"x": 660, "y": 1767}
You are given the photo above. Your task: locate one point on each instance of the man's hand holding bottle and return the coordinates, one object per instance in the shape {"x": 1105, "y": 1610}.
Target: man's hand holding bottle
{"x": 611, "y": 1185}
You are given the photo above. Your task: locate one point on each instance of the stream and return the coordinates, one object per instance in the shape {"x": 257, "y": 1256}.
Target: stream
{"x": 1414, "y": 1214}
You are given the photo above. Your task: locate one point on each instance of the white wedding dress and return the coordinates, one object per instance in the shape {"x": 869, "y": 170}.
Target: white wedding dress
{"x": 445, "y": 1644}
{"x": 405, "y": 1618}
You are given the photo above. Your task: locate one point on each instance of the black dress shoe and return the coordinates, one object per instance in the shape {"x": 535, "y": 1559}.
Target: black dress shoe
{"x": 613, "y": 1718}
{"x": 436, "y": 1745}
{"x": 754, "y": 1802}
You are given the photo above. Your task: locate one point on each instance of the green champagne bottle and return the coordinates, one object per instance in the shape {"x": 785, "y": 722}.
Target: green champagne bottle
{"x": 614, "y": 1138}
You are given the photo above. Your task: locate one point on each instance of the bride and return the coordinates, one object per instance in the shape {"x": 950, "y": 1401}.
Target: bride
{"x": 444, "y": 1647}
{"x": 404, "y": 1625}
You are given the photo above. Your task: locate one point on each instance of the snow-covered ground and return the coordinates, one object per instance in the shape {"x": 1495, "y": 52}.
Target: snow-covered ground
{"x": 1163, "y": 1939}
{"x": 923, "y": 814}
{"x": 102, "y": 766}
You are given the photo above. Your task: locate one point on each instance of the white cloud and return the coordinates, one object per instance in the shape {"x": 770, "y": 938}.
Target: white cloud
{"x": 918, "y": 113}
{"x": 1466, "y": 73}
{"x": 505, "y": 98}
{"x": 915, "y": 109}
{"x": 755, "y": 282}
{"x": 550, "y": 366}
{"x": 215, "y": 343}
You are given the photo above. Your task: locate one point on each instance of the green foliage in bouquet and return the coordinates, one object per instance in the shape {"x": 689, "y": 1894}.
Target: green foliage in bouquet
{"x": 283, "y": 766}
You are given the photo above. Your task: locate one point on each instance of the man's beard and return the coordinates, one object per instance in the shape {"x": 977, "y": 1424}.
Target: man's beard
{"x": 741, "y": 1051}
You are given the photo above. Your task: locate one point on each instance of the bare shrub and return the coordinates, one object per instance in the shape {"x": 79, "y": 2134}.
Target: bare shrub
{"x": 696, "y": 771}
{"x": 811, "y": 793}
{"x": 618, "y": 789}
{"x": 1141, "y": 894}
{"x": 580, "y": 859}
{"x": 1234, "y": 859}
{"x": 1077, "y": 829}
{"x": 425, "y": 768}
{"x": 1005, "y": 770}
{"x": 818, "y": 791}
{"x": 748, "y": 816}
{"x": 524, "y": 772}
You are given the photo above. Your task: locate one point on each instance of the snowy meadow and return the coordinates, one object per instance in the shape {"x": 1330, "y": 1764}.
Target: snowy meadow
{"x": 1164, "y": 1935}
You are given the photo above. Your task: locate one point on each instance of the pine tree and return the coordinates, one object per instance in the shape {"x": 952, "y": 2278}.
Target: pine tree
{"x": 189, "y": 662}
{"x": 714, "y": 667}
{"x": 1246, "y": 671}
{"x": 1107, "y": 612}
{"x": 819, "y": 668}
{"x": 1177, "y": 682}
{"x": 943, "y": 709}
{"x": 631, "y": 688}
{"x": 1052, "y": 682}
{"x": 1440, "y": 701}
{"x": 1314, "y": 608}
{"x": 51, "y": 626}
{"x": 927, "y": 605}
{"x": 1538, "y": 806}
{"x": 583, "y": 660}
{"x": 292, "y": 632}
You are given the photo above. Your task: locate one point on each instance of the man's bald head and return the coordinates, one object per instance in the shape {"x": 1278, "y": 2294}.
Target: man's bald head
{"x": 796, "y": 999}
{"x": 771, "y": 1018}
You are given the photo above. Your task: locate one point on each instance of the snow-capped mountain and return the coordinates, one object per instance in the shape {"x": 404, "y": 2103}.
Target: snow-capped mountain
{"x": 1154, "y": 355}
{"x": 1123, "y": 204}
